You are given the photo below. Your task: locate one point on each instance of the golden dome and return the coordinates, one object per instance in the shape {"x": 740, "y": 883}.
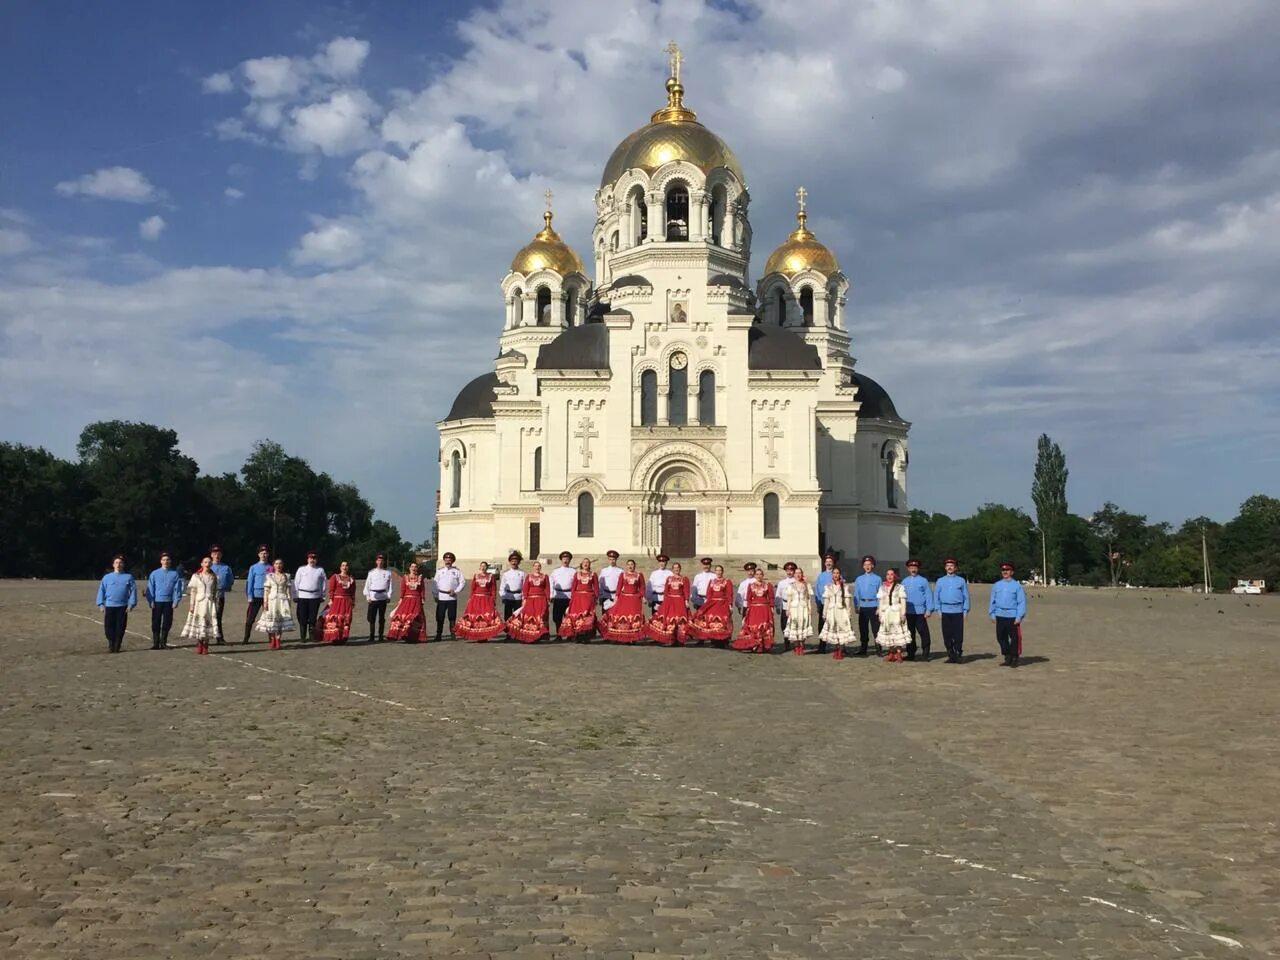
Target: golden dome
{"x": 801, "y": 250}
{"x": 673, "y": 133}
{"x": 546, "y": 251}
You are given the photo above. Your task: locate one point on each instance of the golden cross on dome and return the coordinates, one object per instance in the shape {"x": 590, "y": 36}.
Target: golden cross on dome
{"x": 674, "y": 58}
{"x": 800, "y": 195}
{"x": 801, "y": 216}
{"x": 547, "y": 196}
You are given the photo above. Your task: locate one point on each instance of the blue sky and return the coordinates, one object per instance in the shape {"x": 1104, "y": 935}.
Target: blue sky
{"x": 1056, "y": 217}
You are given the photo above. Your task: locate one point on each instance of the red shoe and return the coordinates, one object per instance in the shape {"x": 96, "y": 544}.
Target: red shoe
{"x": 798, "y": 649}
{"x": 839, "y": 654}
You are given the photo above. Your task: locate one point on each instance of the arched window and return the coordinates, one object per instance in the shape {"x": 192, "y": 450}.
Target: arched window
{"x": 544, "y": 307}
{"x": 613, "y": 242}
{"x": 639, "y": 216}
{"x": 780, "y": 306}
{"x": 648, "y": 398}
{"x": 806, "y": 305}
{"x": 455, "y": 479}
{"x": 772, "y": 529}
{"x": 571, "y": 307}
{"x": 678, "y": 212}
{"x": 707, "y": 398}
{"x": 890, "y": 481}
{"x": 517, "y": 307}
{"x": 586, "y": 515}
{"x": 719, "y": 200}
{"x": 537, "y": 468}
{"x": 831, "y": 306}
{"x": 678, "y": 391}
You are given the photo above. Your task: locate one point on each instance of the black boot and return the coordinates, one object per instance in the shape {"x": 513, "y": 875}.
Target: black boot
{"x": 924, "y": 652}
{"x": 155, "y": 641}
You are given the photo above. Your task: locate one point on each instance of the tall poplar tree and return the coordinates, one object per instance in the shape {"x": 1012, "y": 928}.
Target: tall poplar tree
{"x": 1049, "y": 494}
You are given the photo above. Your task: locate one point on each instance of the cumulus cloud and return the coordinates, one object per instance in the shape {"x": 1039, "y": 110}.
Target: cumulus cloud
{"x": 217, "y": 83}
{"x": 152, "y": 227}
{"x": 329, "y": 245}
{"x": 340, "y": 124}
{"x": 111, "y": 183}
{"x": 233, "y": 194}
{"x": 342, "y": 57}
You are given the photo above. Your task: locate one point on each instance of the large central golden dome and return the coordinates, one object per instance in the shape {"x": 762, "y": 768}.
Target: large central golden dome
{"x": 673, "y": 133}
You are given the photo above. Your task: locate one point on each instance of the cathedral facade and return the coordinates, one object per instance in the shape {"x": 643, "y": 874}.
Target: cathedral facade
{"x": 667, "y": 406}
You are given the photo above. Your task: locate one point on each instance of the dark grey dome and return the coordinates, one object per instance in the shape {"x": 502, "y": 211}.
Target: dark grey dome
{"x": 726, "y": 280}
{"x": 772, "y": 348}
{"x": 475, "y": 400}
{"x": 597, "y": 311}
{"x": 578, "y": 348}
{"x": 876, "y": 402}
{"x": 630, "y": 280}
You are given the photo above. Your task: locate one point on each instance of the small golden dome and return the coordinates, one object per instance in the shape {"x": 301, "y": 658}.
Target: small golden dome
{"x": 801, "y": 250}
{"x": 546, "y": 251}
{"x": 673, "y": 133}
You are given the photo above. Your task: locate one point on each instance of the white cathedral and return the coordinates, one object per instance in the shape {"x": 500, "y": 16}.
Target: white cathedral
{"x": 665, "y": 407}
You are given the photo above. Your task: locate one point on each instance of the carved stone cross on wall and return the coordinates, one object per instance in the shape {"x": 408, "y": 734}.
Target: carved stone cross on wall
{"x": 769, "y": 434}
{"x": 586, "y": 432}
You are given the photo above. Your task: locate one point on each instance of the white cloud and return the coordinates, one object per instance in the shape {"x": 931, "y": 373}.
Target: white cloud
{"x": 329, "y": 245}
{"x": 340, "y": 124}
{"x": 233, "y": 194}
{"x": 342, "y": 57}
{"x": 217, "y": 83}
{"x": 111, "y": 183}
{"x": 152, "y": 227}
{"x": 271, "y": 78}
{"x": 13, "y": 241}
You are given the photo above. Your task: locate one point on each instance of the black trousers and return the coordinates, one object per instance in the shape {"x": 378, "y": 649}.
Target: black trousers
{"x": 115, "y": 620}
{"x": 558, "y": 606}
{"x": 509, "y": 607}
{"x": 161, "y": 623}
{"x": 916, "y": 623}
{"x": 307, "y": 609}
{"x": 377, "y": 612}
{"x": 953, "y": 633}
{"x": 222, "y": 601}
{"x": 1007, "y": 636}
{"x": 868, "y": 625}
{"x": 446, "y": 608}
{"x": 251, "y": 615}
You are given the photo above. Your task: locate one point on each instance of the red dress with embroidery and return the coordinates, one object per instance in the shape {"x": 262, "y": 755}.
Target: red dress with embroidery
{"x": 624, "y": 621}
{"x": 580, "y": 619}
{"x": 480, "y": 620}
{"x": 408, "y": 620}
{"x": 335, "y": 622}
{"x": 757, "y": 624}
{"x": 529, "y": 623}
{"x": 670, "y": 622}
{"x": 714, "y": 619}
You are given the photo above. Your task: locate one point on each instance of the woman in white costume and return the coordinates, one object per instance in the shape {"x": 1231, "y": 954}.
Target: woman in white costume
{"x": 799, "y": 612}
{"x": 837, "y": 613}
{"x": 277, "y": 604}
{"x": 893, "y": 637}
{"x": 202, "y": 617}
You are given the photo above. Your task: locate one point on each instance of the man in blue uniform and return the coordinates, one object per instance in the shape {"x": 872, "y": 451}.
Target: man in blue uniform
{"x": 820, "y": 585}
{"x": 951, "y": 600}
{"x": 225, "y": 579}
{"x": 919, "y": 606}
{"x": 164, "y": 590}
{"x": 117, "y": 595}
{"x": 253, "y": 582}
{"x": 867, "y": 602}
{"x": 1007, "y": 608}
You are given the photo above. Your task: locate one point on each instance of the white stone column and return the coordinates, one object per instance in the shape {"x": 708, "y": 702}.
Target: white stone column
{"x": 657, "y": 203}
{"x": 697, "y": 215}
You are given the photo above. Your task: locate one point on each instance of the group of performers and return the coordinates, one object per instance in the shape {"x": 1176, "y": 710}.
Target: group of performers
{"x": 578, "y": 603}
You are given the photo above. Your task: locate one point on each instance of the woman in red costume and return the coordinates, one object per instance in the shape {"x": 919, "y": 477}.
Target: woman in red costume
{"x": 579, "y": 621}
{"x": 529, "y": 623}
{"x": 670, "y": 622}
{"x": 756, "y": 634}
{"x": 714, "y": 619}
{"x": 408, "y": 620}
{"x": 335, "y": 622}
{"x": 480, "y": 620}
{"x": 624, "y": 621}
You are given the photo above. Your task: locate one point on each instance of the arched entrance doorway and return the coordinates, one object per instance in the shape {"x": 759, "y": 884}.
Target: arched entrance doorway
{"x": 678, "y": 531}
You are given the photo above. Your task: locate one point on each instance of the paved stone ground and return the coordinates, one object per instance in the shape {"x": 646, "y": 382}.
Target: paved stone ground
{"x": 1115, "y": 798}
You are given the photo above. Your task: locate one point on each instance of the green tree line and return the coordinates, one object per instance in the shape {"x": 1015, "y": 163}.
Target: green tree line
{"x": 132, "y": 491}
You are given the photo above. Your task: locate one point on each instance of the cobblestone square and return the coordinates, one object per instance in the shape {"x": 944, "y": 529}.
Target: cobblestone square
{"x": 1113, "y": 798}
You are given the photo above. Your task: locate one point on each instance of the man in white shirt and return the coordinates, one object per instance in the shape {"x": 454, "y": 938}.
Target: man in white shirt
{"x": 658, "y": 581}
{"x": 446, "y": 587}
{"x": 561, "y": 585}
{"x": 378, "y": 585}
{"x": 740, "y": 595}
{"x": 309, "y": 582}
{"x": 511, "y": 586}
{"x": 782, "y": 593}
{"x": 700, "y": 581}
{"x": 608, "y": 577}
